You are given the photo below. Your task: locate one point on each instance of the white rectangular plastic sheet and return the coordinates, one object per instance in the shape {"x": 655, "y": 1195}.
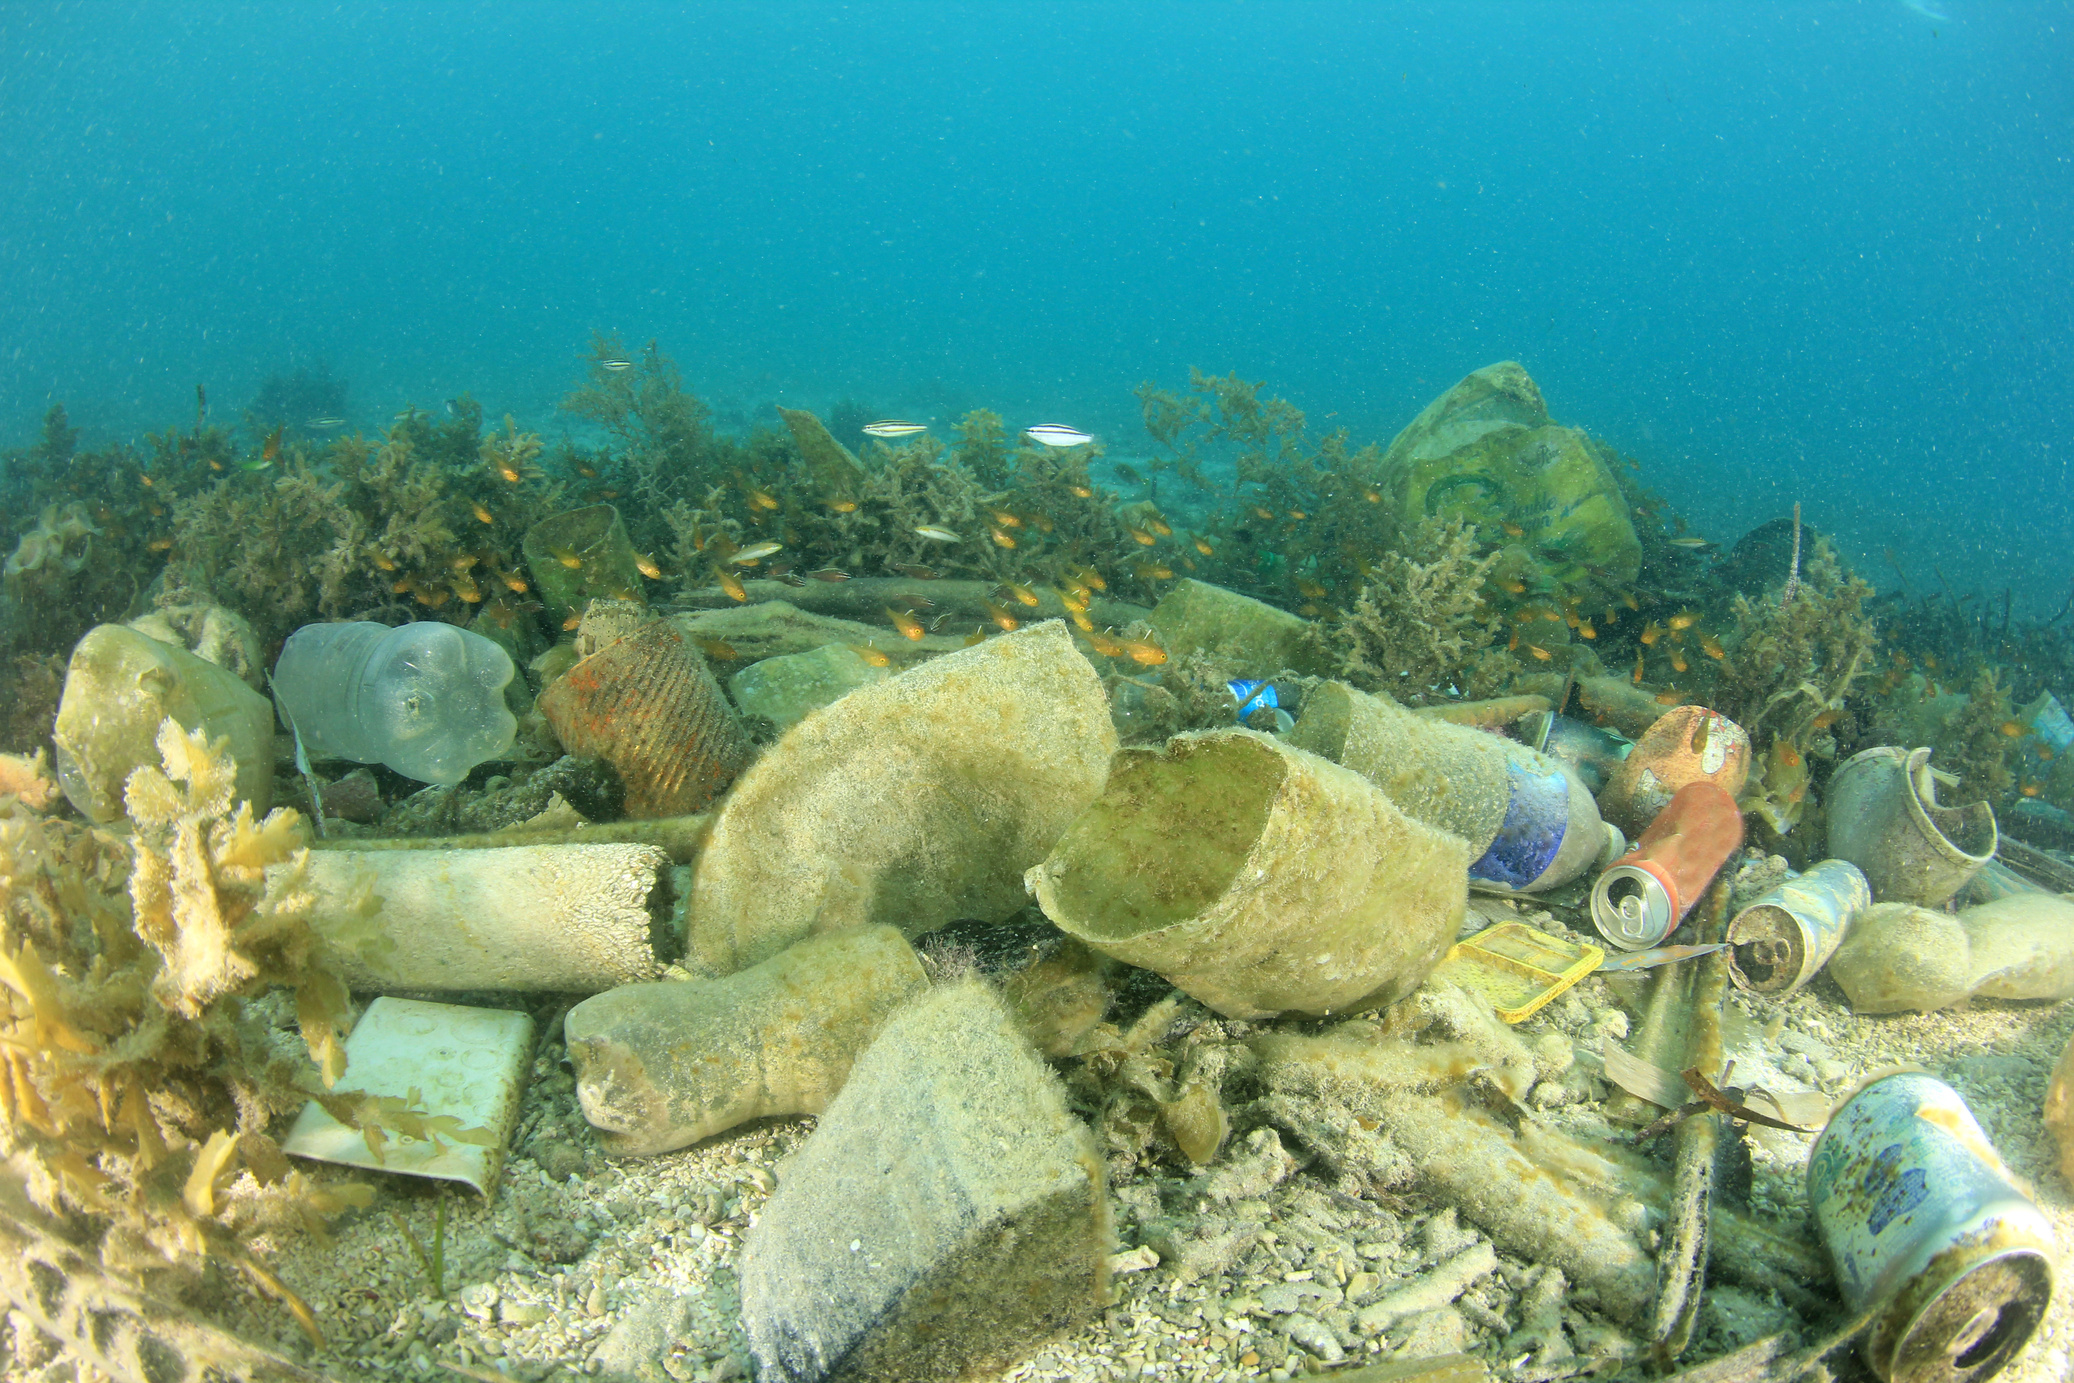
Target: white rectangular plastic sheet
{"x": 442, "y": 1059}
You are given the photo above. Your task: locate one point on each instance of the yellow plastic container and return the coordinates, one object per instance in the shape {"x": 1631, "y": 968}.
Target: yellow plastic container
{"x": 1518, "y": 968}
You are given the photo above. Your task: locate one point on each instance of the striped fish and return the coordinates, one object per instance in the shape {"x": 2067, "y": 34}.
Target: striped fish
{"x": 893, "y": 427}
{"x": 1058, "y": 435}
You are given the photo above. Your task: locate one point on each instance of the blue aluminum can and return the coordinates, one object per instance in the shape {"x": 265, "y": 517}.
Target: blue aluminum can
{"x": 1923, "y": 1221}
{"x": 1778, "y": 943}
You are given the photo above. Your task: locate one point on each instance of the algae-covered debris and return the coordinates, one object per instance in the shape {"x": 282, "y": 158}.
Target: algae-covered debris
{"x": 136, "y": 1081}
{"x": 1421, "y": 623}
{"x": 1791, "y": 662}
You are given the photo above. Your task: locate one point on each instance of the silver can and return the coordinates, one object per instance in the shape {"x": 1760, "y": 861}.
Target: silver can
{"x": 1778, "y": 943}
{"x": 1922, "y": 1220}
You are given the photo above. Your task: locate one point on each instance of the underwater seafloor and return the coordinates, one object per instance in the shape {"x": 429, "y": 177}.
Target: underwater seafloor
{"x": 178, "y": 985}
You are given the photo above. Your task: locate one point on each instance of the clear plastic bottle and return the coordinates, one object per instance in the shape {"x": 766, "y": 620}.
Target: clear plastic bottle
{"x": 425, "y": 699}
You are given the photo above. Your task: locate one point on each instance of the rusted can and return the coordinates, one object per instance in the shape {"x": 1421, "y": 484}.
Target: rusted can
{"x": 1923, "y": 1221}
{"x": 1688, "y": 744}
{"x": 1778, "y": 943}
{"x": 1642, "y": 897}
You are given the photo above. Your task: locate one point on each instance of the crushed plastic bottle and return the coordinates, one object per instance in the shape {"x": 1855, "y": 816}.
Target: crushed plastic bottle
{"x": 425, "y": 699}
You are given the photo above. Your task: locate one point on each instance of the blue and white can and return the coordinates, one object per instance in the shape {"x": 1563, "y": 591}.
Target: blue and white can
{"x": 1923, "y": 1222}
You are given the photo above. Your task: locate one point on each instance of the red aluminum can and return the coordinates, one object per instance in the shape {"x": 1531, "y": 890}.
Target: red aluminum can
{"x": 1642, "y": 897}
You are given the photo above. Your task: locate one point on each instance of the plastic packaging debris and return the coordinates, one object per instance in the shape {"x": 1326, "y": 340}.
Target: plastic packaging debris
{"x": 1530, "y": 825}
{"x": 579, "y": 555}
{"x": 1256, "y": 877}
{"x": 1641, "y": 899}
{"x": 444, "y": 1083}
{"x": 1924, "y": 1222}
{"x": 1884, "y": 817}
{"x": 659, "y": 1066}
{"x": 641, "y": 698}
{"x": 913, "y": 802}
{"x": 1789, "y": 933}
{"x": 425, "y": 699}
{"x": 1898, "y": 956}
{"x": 1593, "y": 752}
{"x": 1622, "y": 961}
{"x": 120, "y": 687}
{"x": 946, "y": 1215}
{"x": 1518, "y": 969}
{"x": 1249, "y": 636}
{"x": 1253, "y": 696}
{"x": 1687, "y": 744}
{"x": 786, "y": 689}
{"x": 566, "y": 918}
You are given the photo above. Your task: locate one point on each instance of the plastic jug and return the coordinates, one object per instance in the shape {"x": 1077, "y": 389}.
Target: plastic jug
{"x": 425, "y": 699}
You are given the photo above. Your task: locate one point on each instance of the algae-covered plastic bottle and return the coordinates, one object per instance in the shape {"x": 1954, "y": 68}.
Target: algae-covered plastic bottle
{"x": 425, "y": 699}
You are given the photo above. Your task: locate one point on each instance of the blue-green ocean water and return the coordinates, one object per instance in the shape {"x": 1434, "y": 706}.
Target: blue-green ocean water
{"x": 1814, "y": 252}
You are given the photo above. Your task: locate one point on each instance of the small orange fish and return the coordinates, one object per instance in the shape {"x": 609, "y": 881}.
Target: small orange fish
{"x": 1081, "y": 492}
{"x": 482, "y": 515}
{"x": 1512, "y": 644}
{"x": 1009, "y": 623}
{"x": 1711, "y": 646}
{"x": 1541, "y": 654}
{"x": 1159, "y": 526}
{"x": 1042, "y": 522}
{"x": 1514, "y": 587}
{"x": 509, "y": 472}
{"x": 566, "y": 558}
{"x": 841, "y": 506}
{"x": 1310, "y": 590}
{"x": 587, "y": 472}
{"x": 271, "y": 452}
{"x": 1669, "y": 696}
{"x": 762, "y": 499}
{"x": 1298, "y": 514}
{"x": 432, "y": 596}
{"x": 1087, "y": 626}
{"x": 1585, "y": 630}
{"x": 381, "y": 561}
{"x": 1022, "y": 593}
{"x": 1263, "y": 513}
{"x": 1006, "y": 519}
{"x": 731, "y": 583}
{"x": 2011, "y": 729}
{"x": 645, "y": 564}
{"x": 1678, "y": 663}
{"x": 1651, "y": 634}
{"x": 1143, "y": 652}
{"x": 465, "y": 561}
{"x": 1513, "y": 530}
{"x": 906, "y": 623}
{"x": 160, "y": 545}
{"x": 1683, "y": 619}
{"x": 870, "y": 654}
{"x": 1930, "y": 661}
{"x": 465, "y": 587}
{"x": 1140, "y": 536}
{"x": 1638, "y": 668}
{"x": 1823, "y": 721}
{"x": 2030, "y": 789}
{"x": 1152, "y": 571}
{"x": 718, "y": 648}
{"x": 148, "y": 482}
{"x": 1786, "y": 754}
{"x": 1106, "y": 646}
{"x": 404, "y": 586}
{"x": 1628, "y": 599}
{"x": 1372, "y": 495}
{"x": 1092, "y": 579}
{"x": 1001, "y": 537}
{"x": 1202, "y": 545}
{"x": 977, "y": 637}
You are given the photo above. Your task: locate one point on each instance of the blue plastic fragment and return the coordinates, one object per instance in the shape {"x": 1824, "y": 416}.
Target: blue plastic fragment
{"x": 1251, "y": 695}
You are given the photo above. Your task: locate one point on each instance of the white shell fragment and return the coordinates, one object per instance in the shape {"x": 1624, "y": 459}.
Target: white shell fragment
{"x": 466, "y": 1064}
